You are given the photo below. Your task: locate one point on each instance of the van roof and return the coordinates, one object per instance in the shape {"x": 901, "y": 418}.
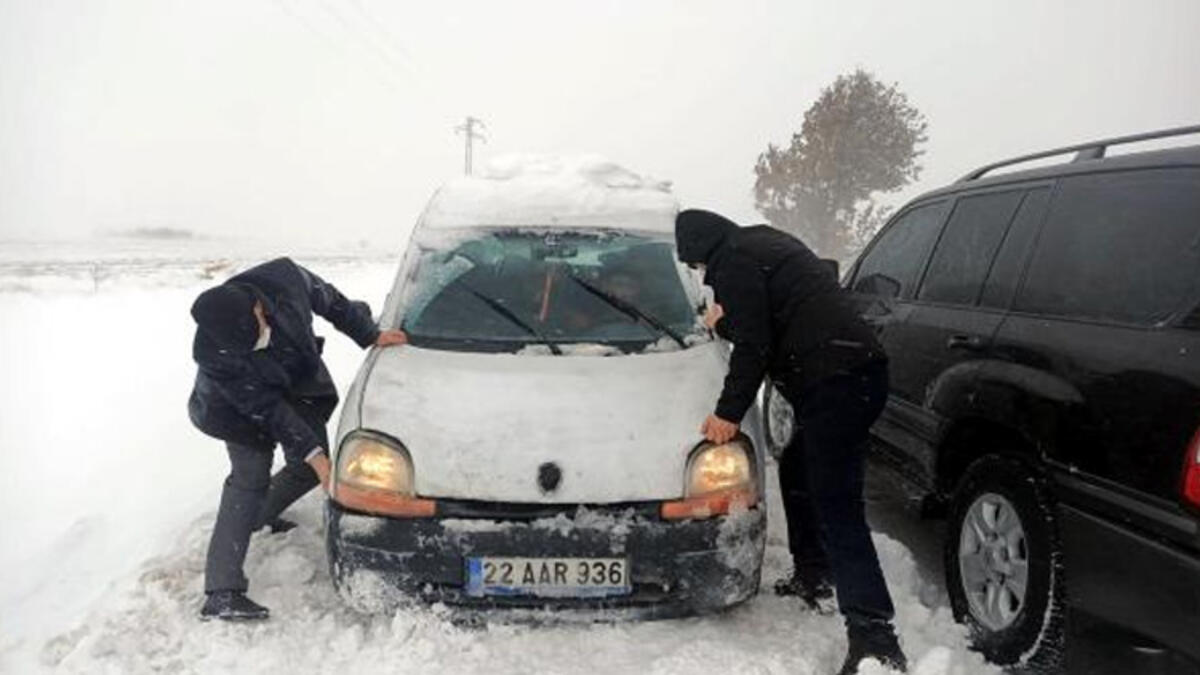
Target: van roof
{"x": 542, "y": 191}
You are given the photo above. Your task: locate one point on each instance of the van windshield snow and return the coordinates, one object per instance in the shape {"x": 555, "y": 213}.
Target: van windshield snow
{"x": 504, "y": 290}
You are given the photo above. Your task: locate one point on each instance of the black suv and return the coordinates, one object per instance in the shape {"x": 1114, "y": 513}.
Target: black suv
{"x": 1044, "y": 334}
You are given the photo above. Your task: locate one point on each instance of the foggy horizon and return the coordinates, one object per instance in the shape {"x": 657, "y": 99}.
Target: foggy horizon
{"x": 332, "y": 121}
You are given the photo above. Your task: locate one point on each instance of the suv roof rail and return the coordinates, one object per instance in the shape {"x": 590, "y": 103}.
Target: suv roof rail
{"x": 1084, "y": 151}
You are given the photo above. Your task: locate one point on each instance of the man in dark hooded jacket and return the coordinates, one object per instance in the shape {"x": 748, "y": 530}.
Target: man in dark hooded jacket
{"x": 785, "y": 314}
{"x": 261, "y": 382}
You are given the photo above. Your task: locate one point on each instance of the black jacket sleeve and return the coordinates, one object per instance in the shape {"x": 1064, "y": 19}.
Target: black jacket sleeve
{"x": 741, "y": 290}
{"x": 351, "y": 317}
{"x": 238, "y": 382}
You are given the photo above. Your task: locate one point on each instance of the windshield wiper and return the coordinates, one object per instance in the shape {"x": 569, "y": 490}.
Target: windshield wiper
{"x": 629, "y": 309}
{"x": 507, "y": 313}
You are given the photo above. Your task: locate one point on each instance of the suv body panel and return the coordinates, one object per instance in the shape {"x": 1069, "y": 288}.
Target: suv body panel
{"x": 1103, "y": 408}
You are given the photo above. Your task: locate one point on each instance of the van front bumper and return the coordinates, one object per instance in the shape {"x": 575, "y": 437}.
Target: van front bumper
{"x": 676, "y": 568}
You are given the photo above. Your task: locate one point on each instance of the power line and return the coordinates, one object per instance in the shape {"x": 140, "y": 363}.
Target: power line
{"x": 384, "y": 58}
{"x": 331, "y": 42}
{"x": 388, "y": 54}
{"x": 393, "y": 49}
{"x": 385, "y": 36}
{"x": 364, "y": 40}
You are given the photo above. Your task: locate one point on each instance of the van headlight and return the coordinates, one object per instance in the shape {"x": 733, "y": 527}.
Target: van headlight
{"x": 373, "y": 462}
{"x": 720, "y": 468}
{"x": 720, "y": 479}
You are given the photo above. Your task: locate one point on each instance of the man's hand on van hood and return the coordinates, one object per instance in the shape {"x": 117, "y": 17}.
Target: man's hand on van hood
{"x": 713, "y": 315}
{"x": 717, "y": 430}
{"x": 390, "y": 338}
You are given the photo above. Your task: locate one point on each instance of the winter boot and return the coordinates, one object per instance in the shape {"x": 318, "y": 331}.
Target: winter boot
{"x": 280, "y": 525}
{"x": 232, "y": 606}
{"x": 814, "y": 590}
{"x": 874, "y": 639}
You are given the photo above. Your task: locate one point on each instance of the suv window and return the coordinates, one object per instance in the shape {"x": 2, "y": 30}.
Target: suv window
{"x": 1006, "y": 271}
{"x": 891, "y": 266}
{"x": 964, "y": 253}
{"x": 1120, "y": 247}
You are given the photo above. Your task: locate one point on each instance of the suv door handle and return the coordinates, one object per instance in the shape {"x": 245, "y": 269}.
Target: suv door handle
{"x": 972, "y": 343}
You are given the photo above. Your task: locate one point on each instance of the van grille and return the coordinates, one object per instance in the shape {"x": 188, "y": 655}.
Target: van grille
{"x": 462, "y": 508}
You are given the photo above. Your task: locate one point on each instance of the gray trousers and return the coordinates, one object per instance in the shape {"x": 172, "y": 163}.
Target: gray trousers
{"x": 252, "y": 497}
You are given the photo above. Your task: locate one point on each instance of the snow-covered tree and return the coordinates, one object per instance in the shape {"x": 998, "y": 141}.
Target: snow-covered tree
{"x": 858, "y": 140}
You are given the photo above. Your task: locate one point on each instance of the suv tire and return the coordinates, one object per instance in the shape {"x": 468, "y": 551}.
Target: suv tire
{"x": 779, "y": 420}
{"x": 1001, "y": 521}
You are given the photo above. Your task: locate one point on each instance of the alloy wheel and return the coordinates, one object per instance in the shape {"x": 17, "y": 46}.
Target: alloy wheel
{"x": 993, "y": 560}
{"x": 781, "y": 421}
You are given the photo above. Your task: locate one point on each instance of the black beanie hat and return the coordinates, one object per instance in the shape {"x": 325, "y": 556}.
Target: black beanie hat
{"x": 698, "y": 233}
{"x": 226, "y": 314}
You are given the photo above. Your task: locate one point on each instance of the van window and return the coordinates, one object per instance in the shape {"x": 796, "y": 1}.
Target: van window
{"x": 508, "y": 289}
{"x": 1006, "y": 270}
{"x": 965, "y": 251}
{"x": 1119, "y": 247}
{"x": 891, "y": 266}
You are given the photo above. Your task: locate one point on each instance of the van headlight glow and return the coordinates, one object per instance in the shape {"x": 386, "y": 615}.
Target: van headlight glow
{"x": 720, "y": 468}
{"x": 372, "y": 462}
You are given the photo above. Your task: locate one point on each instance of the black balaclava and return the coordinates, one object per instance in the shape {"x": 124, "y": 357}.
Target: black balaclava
{"x": 225, "y": 313}
{"x": 699, "y": 233}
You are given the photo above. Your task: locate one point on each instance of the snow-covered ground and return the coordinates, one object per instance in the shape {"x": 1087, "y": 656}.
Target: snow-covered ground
{"x": 108, "y": 497}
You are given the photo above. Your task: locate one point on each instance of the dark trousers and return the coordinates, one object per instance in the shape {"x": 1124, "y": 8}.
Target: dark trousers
{"x": 821, "y": 480}
{"x": 251, "y": 498}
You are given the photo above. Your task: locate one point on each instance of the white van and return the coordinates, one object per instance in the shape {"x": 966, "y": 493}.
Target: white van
{"x": 537, "y": 444}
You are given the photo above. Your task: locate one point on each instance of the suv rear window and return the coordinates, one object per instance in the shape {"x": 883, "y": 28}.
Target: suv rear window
{"x": 892, "y": 265}
{"x": 964, "y": 253}
{"x": 1119, "y": 247}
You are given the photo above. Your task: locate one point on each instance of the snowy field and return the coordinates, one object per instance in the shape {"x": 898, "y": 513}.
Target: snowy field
{"x": 109, "y": 496}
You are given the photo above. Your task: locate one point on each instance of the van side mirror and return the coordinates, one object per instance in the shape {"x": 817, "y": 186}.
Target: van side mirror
{"x": 833, "y": 266}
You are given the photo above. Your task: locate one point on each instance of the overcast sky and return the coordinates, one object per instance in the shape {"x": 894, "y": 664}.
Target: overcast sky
{"x": 332, "y": 120}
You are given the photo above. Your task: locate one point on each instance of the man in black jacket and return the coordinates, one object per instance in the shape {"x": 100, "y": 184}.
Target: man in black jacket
{"x": 784, "y": 312}
{"x": 261, "y": 382}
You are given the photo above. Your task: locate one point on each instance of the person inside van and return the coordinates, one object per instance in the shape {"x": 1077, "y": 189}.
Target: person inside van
{"x": 784, "y": 312}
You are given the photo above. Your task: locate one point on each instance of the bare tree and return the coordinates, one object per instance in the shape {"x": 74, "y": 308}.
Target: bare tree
{"x": 859, "y": 139}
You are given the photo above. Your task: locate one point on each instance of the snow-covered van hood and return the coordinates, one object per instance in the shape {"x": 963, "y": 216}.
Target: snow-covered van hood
{"x": 478, "y": 426}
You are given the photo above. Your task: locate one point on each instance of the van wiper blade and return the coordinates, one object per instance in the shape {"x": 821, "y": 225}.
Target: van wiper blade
{"x": 629, "y": 309}
{"x": 507, "y": 313}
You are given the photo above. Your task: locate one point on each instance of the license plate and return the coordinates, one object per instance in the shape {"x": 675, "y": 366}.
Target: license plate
{"x": 548, "y": 577}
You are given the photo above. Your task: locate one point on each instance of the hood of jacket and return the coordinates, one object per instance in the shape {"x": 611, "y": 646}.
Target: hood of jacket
{"x": 699, "y": 233}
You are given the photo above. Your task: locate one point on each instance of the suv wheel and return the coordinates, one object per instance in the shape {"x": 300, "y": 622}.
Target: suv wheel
{"x": 1003, "y": 564}
{"x": 779, "y": 421}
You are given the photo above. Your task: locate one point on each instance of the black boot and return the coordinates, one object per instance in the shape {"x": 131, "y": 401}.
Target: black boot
{"x": 280, "y": 525}
{"x": 874, "y": 639}
{"x": 814, "y": 590}
{"x": 232, "y": 606}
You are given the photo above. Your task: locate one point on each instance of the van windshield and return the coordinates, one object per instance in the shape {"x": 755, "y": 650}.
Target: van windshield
{"x": 553, "y": 292}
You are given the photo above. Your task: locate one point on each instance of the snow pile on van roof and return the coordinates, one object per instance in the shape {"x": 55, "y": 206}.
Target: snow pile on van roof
{"x": 538, "y": 190}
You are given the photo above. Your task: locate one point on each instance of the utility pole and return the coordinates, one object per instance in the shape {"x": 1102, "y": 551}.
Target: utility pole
{"x": 470, "y": 130}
